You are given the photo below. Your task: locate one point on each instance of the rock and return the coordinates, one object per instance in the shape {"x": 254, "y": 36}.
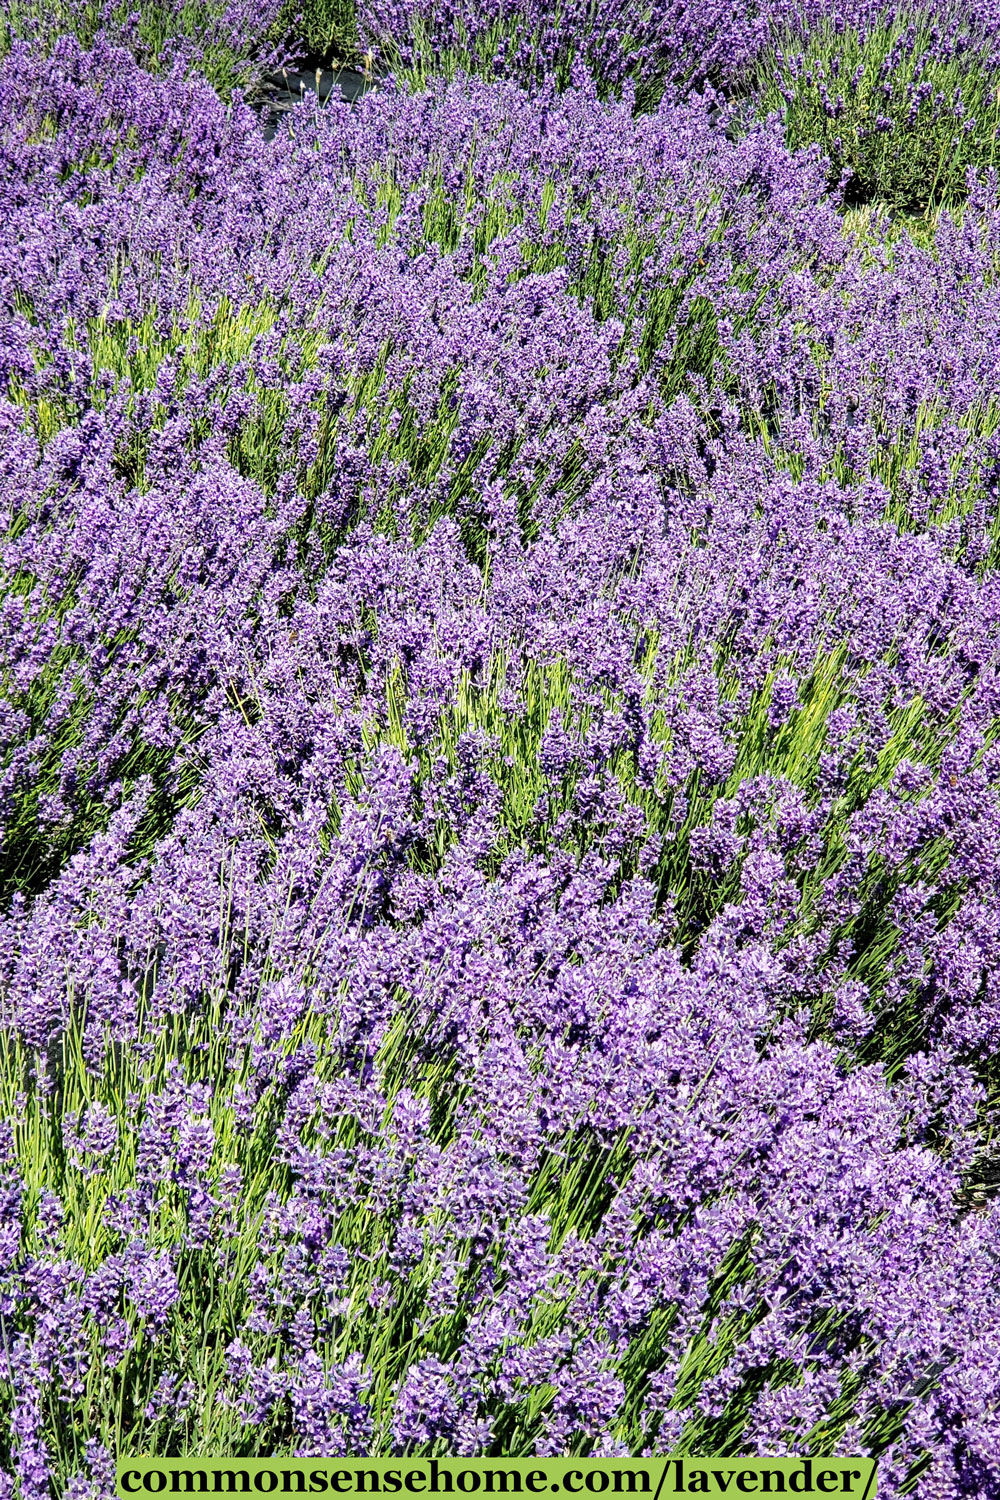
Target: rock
{"x": 289, "y": 86}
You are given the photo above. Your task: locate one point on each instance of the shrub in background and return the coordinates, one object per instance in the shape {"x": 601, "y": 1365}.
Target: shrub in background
{"x": 902, "y": 105}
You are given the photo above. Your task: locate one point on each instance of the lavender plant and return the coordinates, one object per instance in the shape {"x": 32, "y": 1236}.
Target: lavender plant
{"x": 903, "y": 105}
{"x": 224, "y": 41}
{"x": 499, "y": 657}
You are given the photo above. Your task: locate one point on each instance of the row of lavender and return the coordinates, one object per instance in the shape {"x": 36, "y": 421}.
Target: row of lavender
{"x": 902, "y": 100}
{"x": 501, "y": 845}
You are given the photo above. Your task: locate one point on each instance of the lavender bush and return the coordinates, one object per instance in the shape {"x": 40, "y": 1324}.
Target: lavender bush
{"x": 223, "y": 41}
{"x": 500, "y": 785}
{"x": 902, "y": 106}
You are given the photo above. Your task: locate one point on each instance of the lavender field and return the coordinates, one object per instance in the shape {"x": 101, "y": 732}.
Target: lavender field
{"x": 500, "y": 709}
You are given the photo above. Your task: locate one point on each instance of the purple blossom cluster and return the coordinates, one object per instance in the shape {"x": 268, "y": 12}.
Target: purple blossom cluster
{"x": 500, "y": 788}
